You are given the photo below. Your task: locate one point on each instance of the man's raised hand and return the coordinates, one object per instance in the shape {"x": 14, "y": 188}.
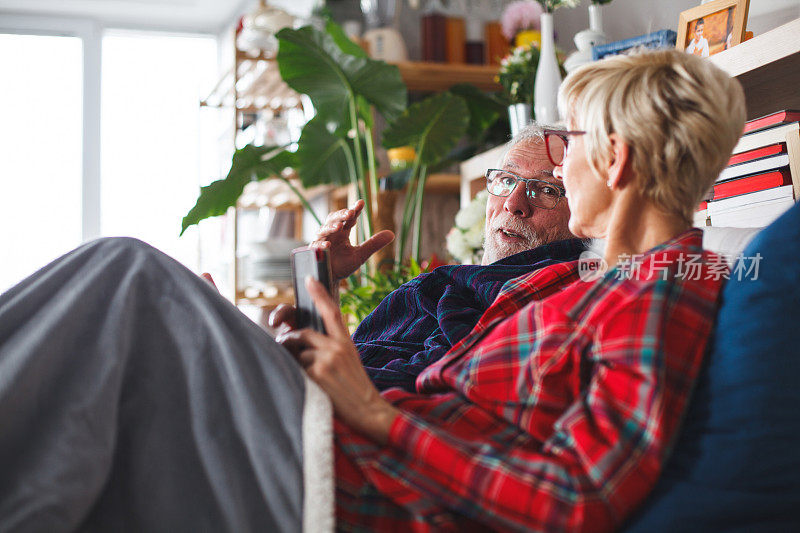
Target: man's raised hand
{"x": 334, "y": 235}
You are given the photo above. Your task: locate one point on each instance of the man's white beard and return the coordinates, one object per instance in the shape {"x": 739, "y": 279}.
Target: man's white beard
{"x": 494, "y": 249}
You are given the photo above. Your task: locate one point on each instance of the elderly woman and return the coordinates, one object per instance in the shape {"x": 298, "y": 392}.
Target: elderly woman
{"x": 560, "y": 416}
{"x": 556, "y": 412}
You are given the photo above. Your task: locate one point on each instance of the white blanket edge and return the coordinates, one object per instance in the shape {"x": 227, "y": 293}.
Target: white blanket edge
{"x": 319, "y": 512}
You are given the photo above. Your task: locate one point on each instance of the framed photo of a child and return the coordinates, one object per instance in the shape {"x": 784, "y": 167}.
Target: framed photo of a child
{"x": 710, "y": 28}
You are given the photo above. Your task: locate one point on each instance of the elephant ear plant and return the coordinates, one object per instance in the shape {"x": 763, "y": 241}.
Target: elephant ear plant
{"x": 346, "y": 88}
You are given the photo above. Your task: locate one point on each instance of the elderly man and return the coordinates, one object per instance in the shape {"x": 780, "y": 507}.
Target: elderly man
{"x": 526, "y": 229}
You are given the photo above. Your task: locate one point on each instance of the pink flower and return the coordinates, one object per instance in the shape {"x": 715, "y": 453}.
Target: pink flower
{"x": 522, "y": 15}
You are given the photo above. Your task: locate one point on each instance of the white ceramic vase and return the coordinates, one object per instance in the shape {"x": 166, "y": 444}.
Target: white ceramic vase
{"x": 596, "y": 18}
{"x": 587, "y": 39}
{"x": 548, "y": 76}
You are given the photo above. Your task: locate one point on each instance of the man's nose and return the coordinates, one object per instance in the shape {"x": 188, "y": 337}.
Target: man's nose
{"x": 517, "y": 202}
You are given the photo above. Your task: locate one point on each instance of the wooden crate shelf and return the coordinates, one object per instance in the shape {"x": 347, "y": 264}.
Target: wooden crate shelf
{"x": 768, "y": 67}
{"x": 434, "y": 77}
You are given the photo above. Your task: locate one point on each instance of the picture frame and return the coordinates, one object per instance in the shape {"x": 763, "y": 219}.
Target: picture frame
{"x": 721, "y": 23}
{"x": 658, "y": 39}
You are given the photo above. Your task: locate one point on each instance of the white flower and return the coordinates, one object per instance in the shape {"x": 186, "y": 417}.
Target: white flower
{"x": 552, "y": 5}
{"x": 474, "y": 213}
{"x": 465, "y": 239}
{"x": 474, "y": 236}
{"x": 457, "y": 245}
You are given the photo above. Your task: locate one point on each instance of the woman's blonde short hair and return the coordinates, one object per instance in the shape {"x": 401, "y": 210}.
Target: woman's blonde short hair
{"x": 680, "y": 115}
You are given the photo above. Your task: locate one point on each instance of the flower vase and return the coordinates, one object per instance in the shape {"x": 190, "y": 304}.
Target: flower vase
{"x": 548, "y": 76}
{"x": 587, "y": 39}
{"x": 519, "y": 116}
{"x": 596, "y": 18}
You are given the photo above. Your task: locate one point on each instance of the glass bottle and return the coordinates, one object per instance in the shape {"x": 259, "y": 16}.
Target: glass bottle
{"x": 455, "y": 34}
{"x": 474, "y": 46}
{"x": 434, "y": 27}
{"x": 497, "y": 46}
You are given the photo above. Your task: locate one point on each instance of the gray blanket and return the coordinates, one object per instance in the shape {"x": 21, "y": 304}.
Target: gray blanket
{"x": 134, "y": 398}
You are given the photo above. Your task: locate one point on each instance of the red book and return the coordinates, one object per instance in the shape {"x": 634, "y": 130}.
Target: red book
{"x": 756, "y": 182}
{"x": 702, "y": 205}
{"x": 781, "y": 117}
{"x": 758, "y": 153}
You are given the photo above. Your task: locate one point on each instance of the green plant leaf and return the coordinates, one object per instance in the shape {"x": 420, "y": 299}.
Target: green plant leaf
{"x": 343, "y": 41}
{"x": 484, "y": 109}
{"x": 250, "y": 163}
{"x": 433, "y": 126}
{"x": 311, "y": 62}
{"x": 364, "y": 111}
{"x": 349, "y": 47}
{"x": 321, "y": 156}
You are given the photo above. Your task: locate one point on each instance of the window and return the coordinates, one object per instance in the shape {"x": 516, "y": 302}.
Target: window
{"x": 151, "y": 136}
{"x": 74, "y": 166}
{"x": 41, "y": 95}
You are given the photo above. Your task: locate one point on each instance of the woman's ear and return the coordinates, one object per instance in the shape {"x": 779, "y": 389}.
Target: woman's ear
{"x": 618, "y": 170}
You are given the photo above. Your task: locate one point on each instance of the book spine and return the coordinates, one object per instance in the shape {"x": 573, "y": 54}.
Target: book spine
{"x": 754, "y": 183}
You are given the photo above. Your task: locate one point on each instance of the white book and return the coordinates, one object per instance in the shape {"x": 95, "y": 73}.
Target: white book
{"x": 700, "y": 218}
{"x": 775, "y": 193}
{"x": 765, "y": 137}
{"x": 757, "y": 209}
{"x": 752, "y": 167}
{"x": 753, "y": 216}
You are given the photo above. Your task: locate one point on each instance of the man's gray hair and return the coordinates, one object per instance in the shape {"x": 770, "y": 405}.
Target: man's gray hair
{"x": 533, "y": 132}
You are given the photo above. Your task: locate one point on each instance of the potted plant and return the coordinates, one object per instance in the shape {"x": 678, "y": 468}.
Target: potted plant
{"x": 516, "y": 76}
{"x": 336, "y": 147}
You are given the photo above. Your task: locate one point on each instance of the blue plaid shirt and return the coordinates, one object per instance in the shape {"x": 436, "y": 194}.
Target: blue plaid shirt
{"x": 419, "y": 322}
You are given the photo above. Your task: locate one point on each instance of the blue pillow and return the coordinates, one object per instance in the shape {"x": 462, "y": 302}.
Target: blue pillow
{"x": 736, "y": 464}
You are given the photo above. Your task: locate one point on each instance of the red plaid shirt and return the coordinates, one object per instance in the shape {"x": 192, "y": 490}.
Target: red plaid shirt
{"x": 556, "y": 413}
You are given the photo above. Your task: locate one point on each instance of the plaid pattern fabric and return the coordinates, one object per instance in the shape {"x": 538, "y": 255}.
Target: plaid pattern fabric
{"x": 556, "y": 418}
{"x": 418, "y": 323}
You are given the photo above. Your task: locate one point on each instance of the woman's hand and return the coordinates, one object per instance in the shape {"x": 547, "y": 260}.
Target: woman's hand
{"x": 334, "y": 235}
{"x": 282, "y": 319}
{"x": 332, "y": 361}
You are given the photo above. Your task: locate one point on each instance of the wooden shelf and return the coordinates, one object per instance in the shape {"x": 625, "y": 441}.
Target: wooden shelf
{"x": 443, "y": 183}
{"x": 473, "y": 170}
{"x": 241, "y": 55}
{"x": 282, "y": 294}
{"x": 768, "y": 67}
{"x": 433, "y": 77}
{"x": 439, "y": 183}
{"x": 276, "y": 194}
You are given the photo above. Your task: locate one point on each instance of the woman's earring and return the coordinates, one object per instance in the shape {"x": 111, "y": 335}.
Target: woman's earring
{"x": 608, "y": 183}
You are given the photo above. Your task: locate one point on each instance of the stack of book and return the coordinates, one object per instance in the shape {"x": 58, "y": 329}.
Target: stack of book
{"x": 762, "y": 179}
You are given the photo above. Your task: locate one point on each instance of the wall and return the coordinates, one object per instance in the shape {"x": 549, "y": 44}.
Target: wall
{"x": 629, "y": 18}
{"x": 622, "y": 18}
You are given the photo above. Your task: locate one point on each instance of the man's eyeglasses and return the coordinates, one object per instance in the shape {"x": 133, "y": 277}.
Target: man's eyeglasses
{"x": 556, "y": 142}
{"x": 540, "y": 193}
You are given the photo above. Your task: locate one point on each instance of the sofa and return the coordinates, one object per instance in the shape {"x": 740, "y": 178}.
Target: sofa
{"x": 736, "y": 464}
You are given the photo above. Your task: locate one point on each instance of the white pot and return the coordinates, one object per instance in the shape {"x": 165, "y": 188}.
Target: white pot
{"x": 519, "y": 116}
{"x": 548, "y": 76}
